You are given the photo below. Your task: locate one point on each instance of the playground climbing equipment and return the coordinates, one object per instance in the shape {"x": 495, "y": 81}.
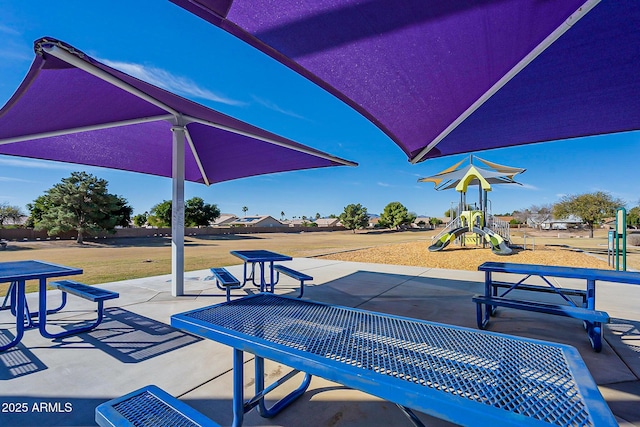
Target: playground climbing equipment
{"x": 474, "y": 226}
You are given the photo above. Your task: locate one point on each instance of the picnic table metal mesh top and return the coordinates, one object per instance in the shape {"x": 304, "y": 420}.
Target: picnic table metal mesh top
{"x": 24, "y": 269}
{"x": 519, "y": 376}
{"x": 145, "y": 409}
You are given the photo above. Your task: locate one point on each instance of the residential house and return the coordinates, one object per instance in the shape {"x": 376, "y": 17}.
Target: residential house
{"x": 293, "y": 222}
{"x": 562, "y": 224}
{"x": 224, "y": 220}
{"x": 328, "y": 222}
{"x": 421, "y": 222}
{"x": 257, "y": 221}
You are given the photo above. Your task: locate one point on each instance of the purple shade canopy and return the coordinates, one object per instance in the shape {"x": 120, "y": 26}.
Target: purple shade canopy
{"x": 453, "y": 76}
{"x": 103, "y": 117}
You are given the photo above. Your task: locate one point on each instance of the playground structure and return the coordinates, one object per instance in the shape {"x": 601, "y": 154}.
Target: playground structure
{"x": 474, "y": 226}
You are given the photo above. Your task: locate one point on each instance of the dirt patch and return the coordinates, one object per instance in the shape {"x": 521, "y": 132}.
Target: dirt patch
{"x": 456, "y": 258}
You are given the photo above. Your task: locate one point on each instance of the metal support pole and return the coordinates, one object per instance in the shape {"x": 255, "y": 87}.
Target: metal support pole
{"x": 177, "y": 212}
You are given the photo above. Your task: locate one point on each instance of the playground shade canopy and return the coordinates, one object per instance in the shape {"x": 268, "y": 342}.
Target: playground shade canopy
{"x": 491, "y": 173}
{"x": 455, "y": 76}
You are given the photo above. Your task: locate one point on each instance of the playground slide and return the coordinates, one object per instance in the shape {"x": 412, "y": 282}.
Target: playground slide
{"x": 498, "y": 244}
{"x": 443, "y": 241}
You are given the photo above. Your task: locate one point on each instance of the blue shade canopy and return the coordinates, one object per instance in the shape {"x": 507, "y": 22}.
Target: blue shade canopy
{"x": 454, "y": 76}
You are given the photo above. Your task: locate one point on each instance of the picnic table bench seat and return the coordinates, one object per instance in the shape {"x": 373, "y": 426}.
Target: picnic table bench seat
{"x": 592, "y": 318}
{"x": 149, "y": 406}
{"x": 225, "y": 281}
{"x": 81, "y": 290}
{"x": 292, "y": 273}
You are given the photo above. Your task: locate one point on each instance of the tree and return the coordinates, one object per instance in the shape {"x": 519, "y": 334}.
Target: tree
{"x": 435, "y": 221}
{"x": 244, "y": 210}
{"x": 37, "y": 209}
{"x": 10, "y": 212}
{"x": 395, "y": 215}
{"x": 198, "y": 213}
{"x": 160, "y": 214}
{"x": 141, "y": 219}
{"x": 633, "y": 217}
{"x": 80, "y": 202}
{"x": 592, "y": 208}
{"x": 354, "y": 217}
{"x": 282, "y": 215}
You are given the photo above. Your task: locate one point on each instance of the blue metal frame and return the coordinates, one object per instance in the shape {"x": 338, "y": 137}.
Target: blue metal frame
{"x": 17, "y": 273}
{"x": 412, "y": 363}
{"x": 594, "y": 329}
{"x": 259, "y": 257}
{"x": 291, "y": 273}
{"x": 67, "y": 286}
{"x": 225, "y": 281}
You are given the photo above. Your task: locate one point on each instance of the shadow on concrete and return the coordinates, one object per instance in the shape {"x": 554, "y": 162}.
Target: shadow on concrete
{"x": 130, "y": 337}
{"x": 17, "y": 361}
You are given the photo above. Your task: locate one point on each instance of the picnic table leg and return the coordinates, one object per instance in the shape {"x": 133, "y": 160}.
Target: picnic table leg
{"x": 42, "y": 316}
{"x": 482, "y": 316}
{"x": 264, "y": 286}
{"x": 594, "y": 329}
{"x": 20, "y": 307}
{"x": 271, "y": 283}
{"x": 245, "y": 278}
{"x": 413, "y": 418}
{"x": 10, "y": 296}
{"x": 261, "y": 391}
{"x": 42, "y": 296}
{"x": 595, "y": 335}
{"x": 238, "y": 387}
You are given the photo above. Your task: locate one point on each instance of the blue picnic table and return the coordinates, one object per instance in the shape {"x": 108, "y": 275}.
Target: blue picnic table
{"x": 584, "y": 309}
{"x": 259, "y": 257}
{"x": 466, "y": 376}
{"x": 17, "y": 273}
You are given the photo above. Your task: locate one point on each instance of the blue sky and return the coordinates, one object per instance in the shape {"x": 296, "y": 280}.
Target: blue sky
{"x": 164, "y": 45}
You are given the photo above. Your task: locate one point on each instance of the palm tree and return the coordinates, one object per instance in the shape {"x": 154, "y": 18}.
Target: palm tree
{"x": 282, "y": 215}
{"x": 244, "y": 210}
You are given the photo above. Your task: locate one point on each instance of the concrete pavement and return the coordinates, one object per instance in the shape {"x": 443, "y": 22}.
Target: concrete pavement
{"x": 60, "y": 382}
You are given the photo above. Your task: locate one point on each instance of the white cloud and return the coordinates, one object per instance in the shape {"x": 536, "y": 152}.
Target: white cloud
{"x": 384, "y": 184}
{"x": 522, "y": 186}
{"x": 13, "y": 48}
{"x": 10, "y": 179}
{"x": 35, "y": 164}
{"x": 164, "y": 79}
{"x": 9, "y": 30}
{"x": 270, "y": 105}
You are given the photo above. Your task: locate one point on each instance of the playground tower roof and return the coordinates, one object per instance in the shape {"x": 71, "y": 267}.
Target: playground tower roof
{"x": 473, "y": 174}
